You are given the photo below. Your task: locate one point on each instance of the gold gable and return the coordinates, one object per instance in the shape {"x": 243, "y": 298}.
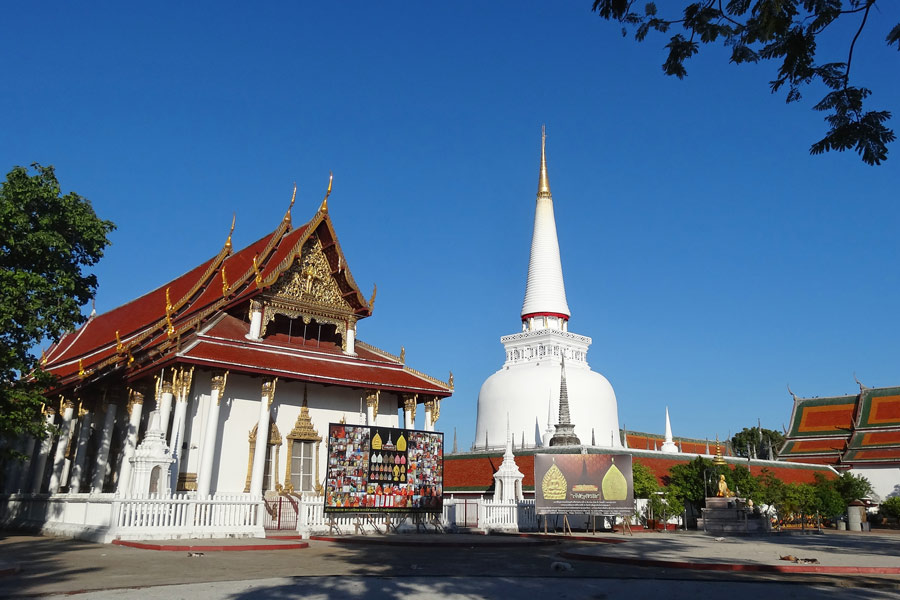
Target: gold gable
{"x": 308, "y": 289}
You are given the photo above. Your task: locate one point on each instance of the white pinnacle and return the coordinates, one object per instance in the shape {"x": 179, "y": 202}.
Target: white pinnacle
{"x": 545, "y": 292}
{"x": 669, "y": 445}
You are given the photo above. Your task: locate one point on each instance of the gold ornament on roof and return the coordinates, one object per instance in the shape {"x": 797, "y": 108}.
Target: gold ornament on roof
{"x": 224, "y": 282}
{"x": 553, "y": 485}
{"x": 287, "y": 215}
{"x": 81, "y": 372}
{"x": 118, "y": 343}
{"x": 324, "y": 207}
{"x": 256, "y": 269}
{"x": 228, "y": 241}
{"x": 614, "y": 485}
{"x": 372, "y": 297}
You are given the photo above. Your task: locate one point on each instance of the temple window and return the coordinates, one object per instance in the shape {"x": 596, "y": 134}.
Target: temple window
{"x": 302, "y": 454}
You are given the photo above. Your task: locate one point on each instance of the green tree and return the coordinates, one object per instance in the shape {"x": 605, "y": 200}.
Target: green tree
{"x": 771, "y": 489}
{"x": 798, "y": 498}
{"x": 828, "y": 501}
{"x": 644, "y": 481}
{"x": 744, "y": 484}
{"x": 891, "y": 508}
{"x": 689, "y": 480}
{"x": 47, "y": 239}
{"x": 785, "y": 31}
{"x": 852, "y": 487}
{"x": 754, "y": 442}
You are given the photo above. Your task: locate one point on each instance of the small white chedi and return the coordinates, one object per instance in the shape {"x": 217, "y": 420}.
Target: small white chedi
{"x": 527, "y": 386}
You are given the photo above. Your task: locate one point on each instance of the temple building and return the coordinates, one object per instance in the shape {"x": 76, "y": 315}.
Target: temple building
{"x": 524, "y": 394}
{"x": 242, "y": 362}
{"x": 859, "y": 433}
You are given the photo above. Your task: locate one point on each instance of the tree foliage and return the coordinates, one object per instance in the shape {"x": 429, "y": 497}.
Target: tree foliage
{"x": 852, "y": 487}
{"x": 644, "y": 481}
{"x": 755, "y": 442}
{"x": 891, "y": 508}
{"x": 785, "y": 31}
{"x": 47, "y": 240}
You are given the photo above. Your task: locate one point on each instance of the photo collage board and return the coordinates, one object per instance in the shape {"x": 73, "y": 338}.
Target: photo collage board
{"x": 383, "y": 469}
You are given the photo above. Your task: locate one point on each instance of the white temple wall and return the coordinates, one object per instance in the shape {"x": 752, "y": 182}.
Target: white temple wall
{"x": 198, "y": 407}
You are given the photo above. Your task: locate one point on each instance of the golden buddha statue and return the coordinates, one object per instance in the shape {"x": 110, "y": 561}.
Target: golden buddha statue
{"x": 723, "y": 492}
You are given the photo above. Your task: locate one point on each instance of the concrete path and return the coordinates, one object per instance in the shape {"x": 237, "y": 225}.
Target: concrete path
{"x": 472, "y": 567}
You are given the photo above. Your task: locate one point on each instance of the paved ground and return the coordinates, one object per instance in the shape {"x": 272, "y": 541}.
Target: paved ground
{"x": 473, "y": 567}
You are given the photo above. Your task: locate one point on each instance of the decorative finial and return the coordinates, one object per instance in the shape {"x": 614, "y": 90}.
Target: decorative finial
{"x": 403, "y": 354}
{"x": 256, "y": 270}
{"x": 81, "y": 372}
{"x": 287, "y": 215}
{"x": 450, "y": 381}
{"x": 228, "y": 241}
{"x": 862, "y": 387}
{"x": 372, "y": 298}
{"x": 793, "y": 395}
{"x": 93, "y": 306}
{"x": 168, "y": 303}
{"x": 43, "y": 357}
{"x": 324, "y": 207}
{"x": 544, "y": 182}
{"x": 118, "y": 343}
{"x": 224, "y": 282}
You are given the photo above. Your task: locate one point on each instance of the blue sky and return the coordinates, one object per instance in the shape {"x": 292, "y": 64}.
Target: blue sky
{"x": 710, "y": 258}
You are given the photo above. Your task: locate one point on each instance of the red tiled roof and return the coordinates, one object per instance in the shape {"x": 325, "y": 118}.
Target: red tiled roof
{"x": 474, "y": 472}
{"x": 203, "y": 295}
{"x": 223, "y": 345}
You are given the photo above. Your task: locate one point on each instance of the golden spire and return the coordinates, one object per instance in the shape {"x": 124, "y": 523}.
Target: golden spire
{"x": 324, "y": 207}
{"x": 228, "y": 241}
{"x": 544, "y": 181}
{"x": 287, "y": 215}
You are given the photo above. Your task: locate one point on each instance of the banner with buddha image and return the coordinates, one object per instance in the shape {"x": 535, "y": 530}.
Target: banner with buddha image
{"x": 382, "y": 469}
{"x": 599, "y": 484}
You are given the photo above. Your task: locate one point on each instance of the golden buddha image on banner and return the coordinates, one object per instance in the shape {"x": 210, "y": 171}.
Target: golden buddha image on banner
{"x": 382, "y": 469}
{"x": 599, "y": 484}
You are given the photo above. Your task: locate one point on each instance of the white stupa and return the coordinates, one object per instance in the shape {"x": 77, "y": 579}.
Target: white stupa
{"x": 527, "y": 387}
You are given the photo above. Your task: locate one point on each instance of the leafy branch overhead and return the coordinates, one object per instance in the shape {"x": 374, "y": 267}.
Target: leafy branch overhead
{"x": 780, "y": 30}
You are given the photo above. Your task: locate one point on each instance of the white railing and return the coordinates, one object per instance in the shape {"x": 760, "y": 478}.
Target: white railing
{"x": 232, "y": 513}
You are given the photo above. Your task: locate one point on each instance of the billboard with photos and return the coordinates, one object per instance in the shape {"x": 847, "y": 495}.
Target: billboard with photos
{"x": 382, "y": 469}
{"x": 599, "y": 484}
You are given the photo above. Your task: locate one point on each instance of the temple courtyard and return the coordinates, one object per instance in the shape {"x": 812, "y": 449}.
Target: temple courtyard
{"x": 605, "y": 565}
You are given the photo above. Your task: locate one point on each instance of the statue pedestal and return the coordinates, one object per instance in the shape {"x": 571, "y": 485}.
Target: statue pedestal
{"x": 730, "y": 515}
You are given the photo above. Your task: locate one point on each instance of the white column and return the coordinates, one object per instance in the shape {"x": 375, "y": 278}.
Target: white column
{"x": 262, "y": 437}
{"x": 409, "y": 410}
{"x": 84, "y": 434}
{"x": 59, "y": 458}
{"x": 429, "y": 426}
{"x": 372, "y": 397}
{"x": 101, "y": 461}
{"x": 40, "y": 464}
{"x": 164, "y": 396}
{"x": 255, "y": 321}
{"x": 19, "y": 477}
{"x": 351, "y": 339}
{"x": 176, "y": 440}
{"x": 204, "y": 477}
{"x": 131, "y": 440}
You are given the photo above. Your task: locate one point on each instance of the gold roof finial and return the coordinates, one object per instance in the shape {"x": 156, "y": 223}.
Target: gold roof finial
{"x": 256, "y": 270}
{"x": 168, "y": 303}
{"x": 372, "y": 299}
{"x": 287, "y": 215}
{"x": 544, "y": 182}
{"x": 118, "y": 343}
{"x": 224, "y": 282}
{"x": 228, "y": 241}
{"x": 324, "y": 207}
{"x": 81, "y": 371}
